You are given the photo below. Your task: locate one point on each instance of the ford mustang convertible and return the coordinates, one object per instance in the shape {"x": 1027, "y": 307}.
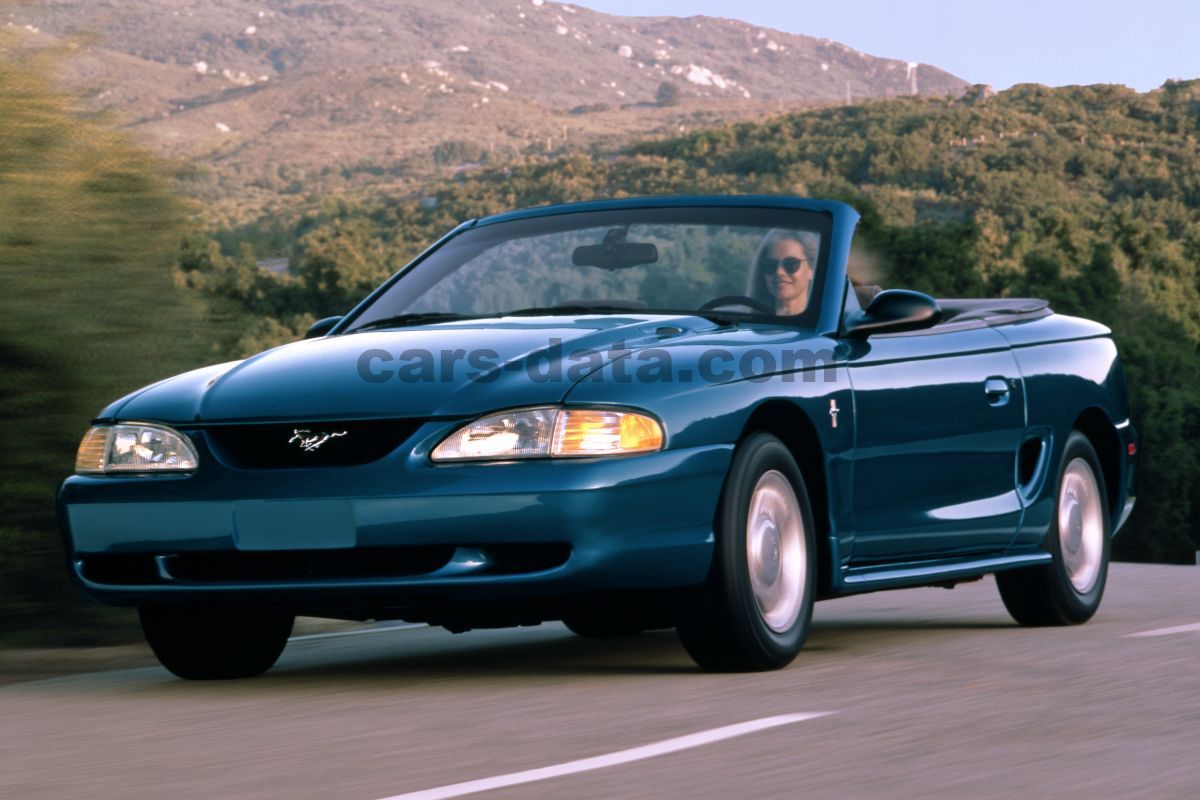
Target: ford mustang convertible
{"x": 625, "y": 415}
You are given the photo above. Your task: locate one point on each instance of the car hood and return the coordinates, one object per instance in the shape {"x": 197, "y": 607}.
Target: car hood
{"x": 450, "y": 369}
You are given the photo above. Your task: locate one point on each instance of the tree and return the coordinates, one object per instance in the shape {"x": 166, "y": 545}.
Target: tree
{"x": 668, "y": 94}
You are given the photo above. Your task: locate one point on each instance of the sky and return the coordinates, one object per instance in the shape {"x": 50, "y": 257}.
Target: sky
{"x": 1056, "y": 42}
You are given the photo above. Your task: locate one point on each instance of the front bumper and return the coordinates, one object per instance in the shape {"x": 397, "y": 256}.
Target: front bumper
{"x": 396, "y": 532}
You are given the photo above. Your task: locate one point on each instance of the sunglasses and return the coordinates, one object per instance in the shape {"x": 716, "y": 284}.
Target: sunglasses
{"x": 791, "y": 264}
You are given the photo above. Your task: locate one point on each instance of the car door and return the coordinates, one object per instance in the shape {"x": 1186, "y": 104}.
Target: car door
{"x": 939, "y": 417}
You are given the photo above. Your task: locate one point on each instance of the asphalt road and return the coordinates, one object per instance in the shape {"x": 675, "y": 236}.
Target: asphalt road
{"x": 929, "y": 693}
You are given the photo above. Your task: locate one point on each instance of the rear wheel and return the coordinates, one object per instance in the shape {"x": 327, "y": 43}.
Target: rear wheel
{"x": 754, "y": 611}
{"x": 1068, "y": 590}
{"x": 215, "y": 644}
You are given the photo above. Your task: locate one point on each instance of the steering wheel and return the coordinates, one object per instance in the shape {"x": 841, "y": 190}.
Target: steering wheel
{"x": 738, "y": 300}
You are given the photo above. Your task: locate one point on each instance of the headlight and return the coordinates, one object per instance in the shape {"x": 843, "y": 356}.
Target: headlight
{"x": 550, "y": 433}
{"x": 134, "y": 448}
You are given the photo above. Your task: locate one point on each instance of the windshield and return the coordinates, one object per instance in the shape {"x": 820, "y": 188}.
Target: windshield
{"x": 757, "y": 262}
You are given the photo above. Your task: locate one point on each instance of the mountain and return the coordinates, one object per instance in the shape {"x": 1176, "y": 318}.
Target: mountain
{"x": 287, "y": 96}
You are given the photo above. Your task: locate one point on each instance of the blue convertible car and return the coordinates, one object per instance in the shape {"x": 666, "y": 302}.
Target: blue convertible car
{"x": 666, "y": 412}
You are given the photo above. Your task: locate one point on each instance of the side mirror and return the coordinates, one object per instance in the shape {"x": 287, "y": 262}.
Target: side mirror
{"x": 321, "y": 327}
{"x": 892, "y": 311}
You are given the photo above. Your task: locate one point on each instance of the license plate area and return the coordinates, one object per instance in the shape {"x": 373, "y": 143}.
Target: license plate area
{"x": 294, "y": 525}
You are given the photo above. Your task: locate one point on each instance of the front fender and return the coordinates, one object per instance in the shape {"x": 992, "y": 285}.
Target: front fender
{"x": 697, "y": 412}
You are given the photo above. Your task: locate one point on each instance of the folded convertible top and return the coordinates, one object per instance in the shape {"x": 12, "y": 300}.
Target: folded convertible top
{"x": 1004, "y": 309}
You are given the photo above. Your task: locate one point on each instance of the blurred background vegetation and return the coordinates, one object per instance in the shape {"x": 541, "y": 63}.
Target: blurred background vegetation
{"x": 1089, "y": 196}
{"x": 89, "y": 309}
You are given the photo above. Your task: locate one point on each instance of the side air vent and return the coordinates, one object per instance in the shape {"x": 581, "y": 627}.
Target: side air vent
{"x": 1028, "y": 459}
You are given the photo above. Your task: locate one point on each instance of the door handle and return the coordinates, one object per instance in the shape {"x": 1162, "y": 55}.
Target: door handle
{"x": 997, "y": 391}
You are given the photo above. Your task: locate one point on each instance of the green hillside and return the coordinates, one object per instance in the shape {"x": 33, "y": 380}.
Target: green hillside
{"x": 1089, "y": 196}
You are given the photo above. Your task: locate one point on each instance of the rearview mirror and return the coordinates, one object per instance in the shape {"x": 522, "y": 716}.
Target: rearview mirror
{"x": 615, "y": 252}
{"x": 321, "y": 327}
{"x": 619, "y": 256}
{"x": 895, "y": 310}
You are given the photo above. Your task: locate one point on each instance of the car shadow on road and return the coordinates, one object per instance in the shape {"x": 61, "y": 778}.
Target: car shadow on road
{"x": 650, "y": 653}
{"x": 869, "y": 634}
{"x": 909, "y": 625}
{"x": 413, "y": 658}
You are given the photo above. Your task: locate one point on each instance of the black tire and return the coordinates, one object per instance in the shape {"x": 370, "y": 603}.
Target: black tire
{"x": 1045, "y": 595}
{"x": 723, "y": 628}
{"x": 215, "y": 644}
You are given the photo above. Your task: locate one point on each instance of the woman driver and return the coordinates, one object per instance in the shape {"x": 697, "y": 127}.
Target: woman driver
{"x": 784, "y": 265}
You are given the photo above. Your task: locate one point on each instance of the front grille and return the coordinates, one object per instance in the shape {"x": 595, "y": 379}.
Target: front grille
{"x": 308, "y": 444}
{"x": 405, "y": 561}
{"x": 391, "y": 562}
{"x": 239, "y": 567}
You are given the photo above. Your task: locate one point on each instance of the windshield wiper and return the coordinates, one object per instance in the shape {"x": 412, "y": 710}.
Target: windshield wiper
{"x": 719, "y": 317}
{"x": 726, "y": 318}
{"x": 404, "y": 320}
{"x": 572, "y": 308}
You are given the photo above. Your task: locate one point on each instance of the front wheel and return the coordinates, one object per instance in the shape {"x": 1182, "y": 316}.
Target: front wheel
{"x": 754, "y": 611}
{"x": 1067, "y": 591}
{"x": 215, "y": 644}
